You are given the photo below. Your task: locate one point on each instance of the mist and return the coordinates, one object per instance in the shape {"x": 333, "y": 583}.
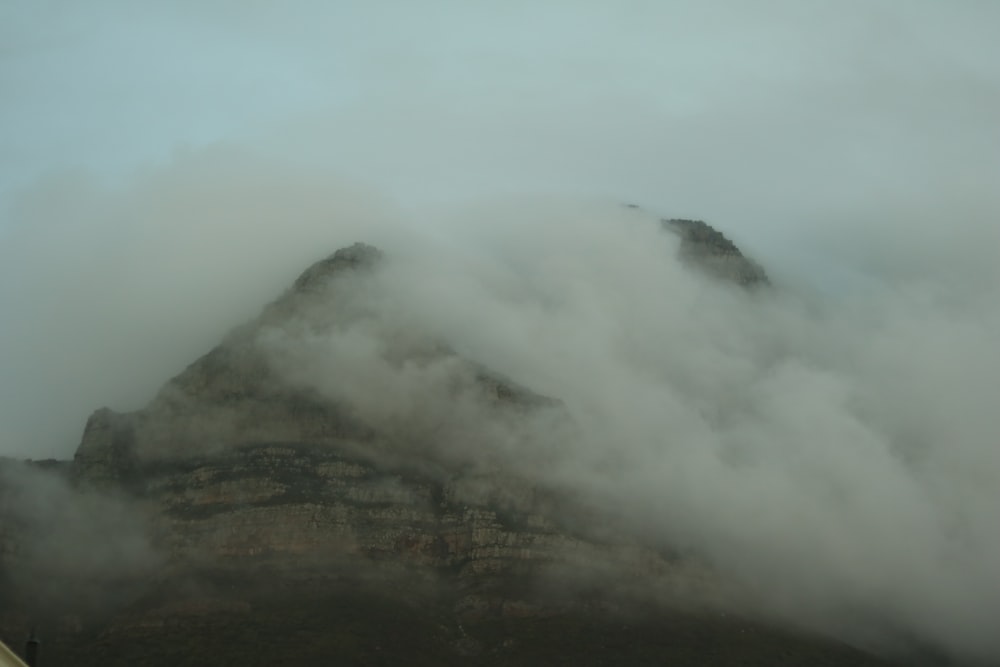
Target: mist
{"x": 835, "y": 457}
{"x": 830, "y": 443}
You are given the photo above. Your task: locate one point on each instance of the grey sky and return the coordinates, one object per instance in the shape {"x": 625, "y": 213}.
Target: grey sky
{"x": 661, "y": 100}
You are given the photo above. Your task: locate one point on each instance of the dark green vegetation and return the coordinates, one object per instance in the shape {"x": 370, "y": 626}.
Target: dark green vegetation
{"x": 219, "y": 621}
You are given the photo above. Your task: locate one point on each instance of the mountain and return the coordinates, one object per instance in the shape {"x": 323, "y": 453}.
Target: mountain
{"x": 709, "y": 250}
{"x": 263, "y": 510}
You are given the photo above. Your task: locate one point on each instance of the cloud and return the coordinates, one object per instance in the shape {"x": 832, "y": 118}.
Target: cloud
{"x": 81, "y": 549}
{"x": 111, "y": 291}
{"x": 835, "y": 457}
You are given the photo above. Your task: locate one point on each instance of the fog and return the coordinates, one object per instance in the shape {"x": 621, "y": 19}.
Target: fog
{"x": 836, "y": 458}
{"x": 73, "y": 546}
{"x": 830, "y": 443}
{"x": 112, "y": 291}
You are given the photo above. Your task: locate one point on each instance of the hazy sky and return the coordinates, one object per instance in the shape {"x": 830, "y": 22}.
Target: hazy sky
{"x": 166, "y": 167}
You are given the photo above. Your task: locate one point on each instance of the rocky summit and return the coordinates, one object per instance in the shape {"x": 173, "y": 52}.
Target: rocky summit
{"x": 247, "y": 516}
{"x": 709, "y": 250}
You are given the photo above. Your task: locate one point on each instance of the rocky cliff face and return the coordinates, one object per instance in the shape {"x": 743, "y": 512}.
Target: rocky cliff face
{"x": 709, "y": 250}
{"x": 233, "y": 462}
{"x": 239, "y": 491}
{"x": 236, "y": 466}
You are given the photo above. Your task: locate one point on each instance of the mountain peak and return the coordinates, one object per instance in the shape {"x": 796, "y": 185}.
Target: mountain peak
{"x": 357, "y": 256}
{"x": 707, "y": 248}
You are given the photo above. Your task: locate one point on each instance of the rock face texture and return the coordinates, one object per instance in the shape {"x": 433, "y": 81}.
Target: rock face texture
{"x": 236, "y": 466}
{"x": 709, "y": 250}
{"x": 243, "y": 508}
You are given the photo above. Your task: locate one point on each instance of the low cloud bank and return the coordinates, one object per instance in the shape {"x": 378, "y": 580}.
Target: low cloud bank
{"x": 836, "y": 456}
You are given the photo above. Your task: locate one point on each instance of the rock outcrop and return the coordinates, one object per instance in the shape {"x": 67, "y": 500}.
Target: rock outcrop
{"x": 709, "y": 250}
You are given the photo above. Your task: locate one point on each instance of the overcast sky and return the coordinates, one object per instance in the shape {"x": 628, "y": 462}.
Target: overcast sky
{"x": 167, "y": 167}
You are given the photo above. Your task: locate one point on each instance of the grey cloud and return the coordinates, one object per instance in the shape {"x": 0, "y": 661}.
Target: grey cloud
{"x": 836, "y": 459}
{"x": 71, "y": 546}
{"x": 110, "y": 292}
